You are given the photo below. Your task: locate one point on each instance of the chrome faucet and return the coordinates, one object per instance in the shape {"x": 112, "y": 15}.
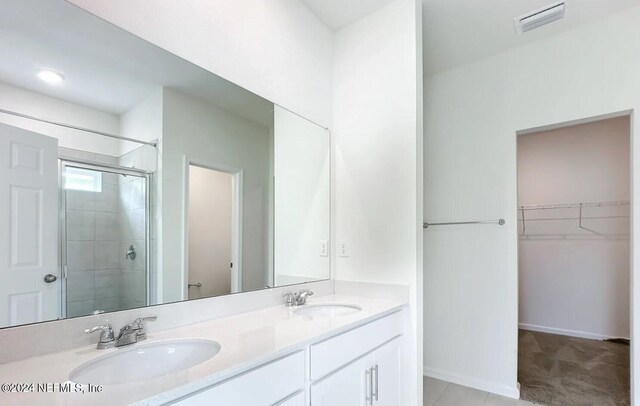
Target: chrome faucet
{"x": 297, "y": 299}
{"x": 301, "y": 297}
{"x": 129, "y": 334}
{"x": 107, "y": 339}
{"x": 133, "y": 332}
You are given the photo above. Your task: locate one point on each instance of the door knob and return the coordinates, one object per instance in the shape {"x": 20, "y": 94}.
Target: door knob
{"x": 50, "y": 278}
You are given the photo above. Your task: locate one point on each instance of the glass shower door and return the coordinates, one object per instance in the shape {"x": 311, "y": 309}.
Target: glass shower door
{"x": 105, "y": 239}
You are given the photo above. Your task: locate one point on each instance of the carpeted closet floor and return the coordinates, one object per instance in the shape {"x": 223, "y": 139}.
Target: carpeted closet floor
{"x": 557, "y": 370}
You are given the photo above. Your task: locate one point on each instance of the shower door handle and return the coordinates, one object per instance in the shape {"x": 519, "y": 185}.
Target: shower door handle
{"x": 49, "y": 278}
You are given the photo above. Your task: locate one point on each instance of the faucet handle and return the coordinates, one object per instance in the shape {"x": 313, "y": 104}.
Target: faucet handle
{"x": 301, "y": 297}
{"x": 107, "y": 338}
{"x": 96, "y": 328}
{"x": 139, "y": 322}
{"x": 291, "y": 298}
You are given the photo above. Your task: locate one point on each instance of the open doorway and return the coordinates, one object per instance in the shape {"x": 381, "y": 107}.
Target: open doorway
{"x": 574, "y": 263}
{"x": 213, "y": 205}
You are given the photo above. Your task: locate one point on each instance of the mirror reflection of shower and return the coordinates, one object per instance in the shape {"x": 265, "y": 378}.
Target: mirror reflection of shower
{"x": 106, "y": 233}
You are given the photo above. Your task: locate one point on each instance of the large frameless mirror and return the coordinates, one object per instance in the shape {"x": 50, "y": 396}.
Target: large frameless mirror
{"x": 130, "y": 177}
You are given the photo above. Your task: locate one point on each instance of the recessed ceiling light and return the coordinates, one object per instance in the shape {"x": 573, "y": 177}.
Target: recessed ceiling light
{"x": 50, "y": 76}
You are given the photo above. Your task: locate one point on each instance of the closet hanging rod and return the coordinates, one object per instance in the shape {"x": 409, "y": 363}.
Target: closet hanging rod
{"x": 500, "y": 222}
{"x": 73, "y": 127}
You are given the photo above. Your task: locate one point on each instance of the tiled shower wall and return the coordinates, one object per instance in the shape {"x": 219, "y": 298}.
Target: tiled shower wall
{"x": 132, "y": 192}
{"x": 133, "y": 204}
{"x": 100, "y": 229}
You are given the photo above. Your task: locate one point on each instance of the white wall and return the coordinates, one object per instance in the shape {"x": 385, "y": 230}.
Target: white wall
{"x": 302, "y": 205}
{"x": 375, "y": 136}
{"x": 575, "y": 282}
{"x": 208, "y": 135}
{"x": 277, "y": 49}
{"x": 210, "y": 205}
{"x": 472, "y": 114}
{"x": 377, "y": 128}
{"x": 35, "y": 104}
{"x": 142, "y": 122}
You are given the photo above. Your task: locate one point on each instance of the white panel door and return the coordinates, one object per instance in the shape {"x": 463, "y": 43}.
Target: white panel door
{"x": 348, "y": 386}
{"x": 28, "y": 227}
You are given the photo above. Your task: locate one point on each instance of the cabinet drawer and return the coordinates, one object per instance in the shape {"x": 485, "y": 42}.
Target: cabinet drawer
{"x": 331, "y": 354}
{"x": 264, "y": 386}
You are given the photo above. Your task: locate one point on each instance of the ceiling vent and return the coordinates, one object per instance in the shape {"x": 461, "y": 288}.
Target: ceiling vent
{"x": 538, "y": 18}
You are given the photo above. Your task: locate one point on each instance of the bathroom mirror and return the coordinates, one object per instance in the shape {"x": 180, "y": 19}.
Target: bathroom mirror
{"x": 130, "y": 177}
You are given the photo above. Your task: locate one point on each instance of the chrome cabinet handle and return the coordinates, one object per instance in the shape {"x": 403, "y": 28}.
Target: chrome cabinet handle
{"x": 375, "y": 394}
{"x": 368, "y": 388}
{"x": 49, "y": 278}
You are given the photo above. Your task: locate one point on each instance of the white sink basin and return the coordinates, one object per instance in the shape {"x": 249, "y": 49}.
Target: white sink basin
{"x": 144, "y": 361}
{"x": 327, "y": 310}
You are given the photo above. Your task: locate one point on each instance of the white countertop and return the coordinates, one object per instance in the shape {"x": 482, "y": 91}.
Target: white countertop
{"x": 247, "y": 340}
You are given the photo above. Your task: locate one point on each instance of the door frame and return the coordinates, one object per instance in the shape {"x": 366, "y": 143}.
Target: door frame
{"x": 63, "y": 163}
{"x": 630, "y": 113}
{"x": 237, "y": 179}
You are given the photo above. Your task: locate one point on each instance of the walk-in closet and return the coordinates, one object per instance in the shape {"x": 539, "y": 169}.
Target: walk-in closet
{"x": 574, "y": 263}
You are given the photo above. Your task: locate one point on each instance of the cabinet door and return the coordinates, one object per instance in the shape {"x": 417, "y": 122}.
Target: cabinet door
{"x": 386, "y": 374}
{"x": 348, "y": 386}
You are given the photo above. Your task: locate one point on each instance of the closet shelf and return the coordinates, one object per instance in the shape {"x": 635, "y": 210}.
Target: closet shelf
{"x": 574, "y": 211}
{"x": 574, "y": 205}
{"x": 580, "y": 211}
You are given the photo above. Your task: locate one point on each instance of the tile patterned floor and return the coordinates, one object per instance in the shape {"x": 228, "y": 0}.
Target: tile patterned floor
{"x": 558, "y": 370}
{"x": 554, "y": 371}
{"x": 440, "y": 393}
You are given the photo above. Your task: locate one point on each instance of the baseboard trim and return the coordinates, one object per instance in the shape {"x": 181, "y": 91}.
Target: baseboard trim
{"x": 564, "y": 332}
{"x": 471, "y": 382}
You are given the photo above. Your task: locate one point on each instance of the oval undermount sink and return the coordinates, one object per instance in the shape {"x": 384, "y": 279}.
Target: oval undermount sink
{"x": 144, "y": 361}
{"x": 327, "y": 310}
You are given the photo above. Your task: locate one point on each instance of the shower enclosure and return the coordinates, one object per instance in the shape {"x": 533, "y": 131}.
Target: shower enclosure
{"x": 105, "y": 238}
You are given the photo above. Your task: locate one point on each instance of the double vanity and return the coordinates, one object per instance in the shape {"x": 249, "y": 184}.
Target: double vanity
{"x": 334, "y": 350}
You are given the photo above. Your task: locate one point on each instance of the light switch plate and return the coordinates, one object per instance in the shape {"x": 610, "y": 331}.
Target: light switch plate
{"x": 343, "y": 250}
{"x": 324, "y": 248}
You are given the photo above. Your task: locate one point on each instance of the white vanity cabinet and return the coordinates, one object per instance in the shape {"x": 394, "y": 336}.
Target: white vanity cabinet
{"x": 279, "y": 382}
{"x": 386, "y": 361}
{"x": 370, "y": 380}
{"x": 346, "y": 387}
{"x": 359, "y": 367}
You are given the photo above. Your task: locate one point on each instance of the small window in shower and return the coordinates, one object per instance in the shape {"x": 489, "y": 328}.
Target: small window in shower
{"x": 82, "y": 179}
